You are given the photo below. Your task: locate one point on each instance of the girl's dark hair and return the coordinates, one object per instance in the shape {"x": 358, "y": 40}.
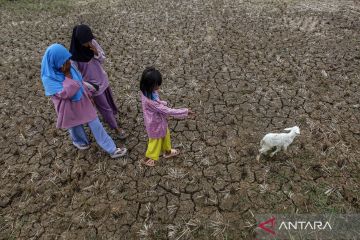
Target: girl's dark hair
{"x": 150, "y": 79}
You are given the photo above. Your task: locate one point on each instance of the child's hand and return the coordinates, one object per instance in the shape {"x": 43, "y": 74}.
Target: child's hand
{"x": 66, "y": 69}
{"x": 93, "y": 48}
{"x": 91, "y": 87}
{"x": 68, "y": 74}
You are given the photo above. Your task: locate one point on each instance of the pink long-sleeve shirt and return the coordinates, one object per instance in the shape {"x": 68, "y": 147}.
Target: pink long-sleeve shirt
{"x": 69, "y": 113}
{"x": 155, "y": 116}
{"x": 93, "y": 71}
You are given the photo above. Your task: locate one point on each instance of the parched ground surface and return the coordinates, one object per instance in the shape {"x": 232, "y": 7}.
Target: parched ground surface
{"x": 245, "y": 67}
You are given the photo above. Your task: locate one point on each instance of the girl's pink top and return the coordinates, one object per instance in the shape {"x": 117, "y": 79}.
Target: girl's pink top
{"x": 92, "y": 71}
{"x": 69, "y": 113}
{"x": 155, "y": 116}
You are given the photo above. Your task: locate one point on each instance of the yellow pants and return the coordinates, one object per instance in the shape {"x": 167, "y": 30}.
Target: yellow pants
{"x": 156, "y": 146}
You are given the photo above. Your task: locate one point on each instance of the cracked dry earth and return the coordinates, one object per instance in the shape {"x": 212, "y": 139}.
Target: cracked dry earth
{"x": 245, "y": 67}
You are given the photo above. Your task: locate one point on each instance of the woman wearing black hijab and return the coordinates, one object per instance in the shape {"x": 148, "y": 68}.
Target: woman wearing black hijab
{"x": 88, "y": 56}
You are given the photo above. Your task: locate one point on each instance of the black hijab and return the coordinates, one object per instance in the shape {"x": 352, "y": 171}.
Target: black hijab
{"x": 81, "y": 34}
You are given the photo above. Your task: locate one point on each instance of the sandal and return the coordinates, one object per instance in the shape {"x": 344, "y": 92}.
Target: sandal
{"x": 148, "y": 162}
{"x": 81, "y": 146}
{"x": 173, "y": 153}
{"x": 119, "y": 152}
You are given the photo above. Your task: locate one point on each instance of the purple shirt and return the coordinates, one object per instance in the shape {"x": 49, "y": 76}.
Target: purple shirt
{"x": 93, "y": 71}
{"x": 69, "y": 113}
{"x": 155, "y": 116}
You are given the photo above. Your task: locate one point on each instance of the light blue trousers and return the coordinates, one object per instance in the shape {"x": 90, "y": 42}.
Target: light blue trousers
{"x": 78, "y": 136}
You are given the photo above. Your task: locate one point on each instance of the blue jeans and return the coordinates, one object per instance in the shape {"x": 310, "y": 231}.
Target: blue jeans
{"x": 78, "y": 136}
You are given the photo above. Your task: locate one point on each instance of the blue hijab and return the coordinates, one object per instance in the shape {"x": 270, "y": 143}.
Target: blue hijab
{"x": 52, "y": 78}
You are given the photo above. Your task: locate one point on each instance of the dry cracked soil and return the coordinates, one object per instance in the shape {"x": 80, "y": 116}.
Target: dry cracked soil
{"x": 246, "y": 67}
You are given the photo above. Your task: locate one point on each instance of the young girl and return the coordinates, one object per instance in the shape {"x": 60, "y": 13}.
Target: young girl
{"x": 71, "y": 100}
{"x": 88, "y": 57}
{"x": 155, "y": 116}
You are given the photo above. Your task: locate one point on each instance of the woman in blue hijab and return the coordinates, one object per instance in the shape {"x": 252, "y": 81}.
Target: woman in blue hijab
{"x": 63, "y": 83}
